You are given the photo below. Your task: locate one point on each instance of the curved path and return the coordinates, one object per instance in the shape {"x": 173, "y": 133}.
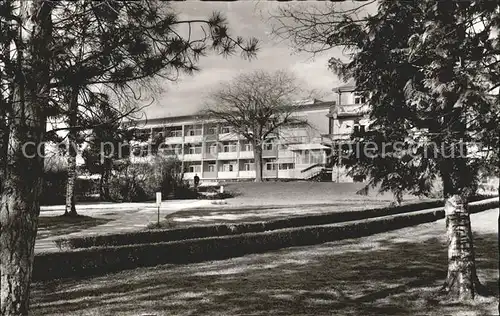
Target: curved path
{"x": 125, "y": 217}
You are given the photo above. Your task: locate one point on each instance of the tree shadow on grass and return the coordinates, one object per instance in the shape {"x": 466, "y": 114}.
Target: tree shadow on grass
{"x": 231, "y": 215}
{"x": 49, "y": 226}
{"x": 378, "y": 274}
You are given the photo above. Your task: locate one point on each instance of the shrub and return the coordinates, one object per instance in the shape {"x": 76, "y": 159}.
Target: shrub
{"x": 220, "y": 230}
{"x": 138, "y": 182}
{"x": 132, "y": 183}
{"x": 101, "y": 260}
{"x": 165, "y": 235}
{"x": 54, "y": 187}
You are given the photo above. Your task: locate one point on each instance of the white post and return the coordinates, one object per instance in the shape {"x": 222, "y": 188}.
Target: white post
{"x": 158, "y": 203}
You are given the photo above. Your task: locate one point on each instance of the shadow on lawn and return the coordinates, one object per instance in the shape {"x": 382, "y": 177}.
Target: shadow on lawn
{"x": 257, "y": 214}
{"x": 62, "y": 225}
{"x": 375, "y": 276}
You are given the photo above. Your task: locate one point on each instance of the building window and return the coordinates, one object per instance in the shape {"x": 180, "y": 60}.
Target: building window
{"x": 229, "y": 148}
{"x": 194, "y": 150}
{"x": 226, "y": 129}
{"x": 249, "y": 166}
{"x": 270, "y": 166}
{"x": 194, "y": 132}
{"x": 246, "y": 147}
{"x": 213, "y": 149}
{"x": 227, "y": 167}
{"x": 195, "y": 168}
{"x": 143, "y": 133}
{"x": 316, "y": 157}
{"x": 268, "y": 146}
{"x": 359, "y": 129}
{"x": 359, "y": 100}
{"x": 212, "y": 130}
{"x": 175, "y": 133}
{"x": 285, "y": 166}
{"x": 211, "y": 168}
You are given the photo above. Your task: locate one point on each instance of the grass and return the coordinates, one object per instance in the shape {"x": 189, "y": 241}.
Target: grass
{"x": 276, "y": 200}
{"x": 224, "y": 215}
{"x": 301, "y": 192}
{"x": 49, "y": 226}
{"x": 393, "y": 273}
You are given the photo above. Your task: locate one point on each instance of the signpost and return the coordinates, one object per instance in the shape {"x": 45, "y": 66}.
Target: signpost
{"x": 158, "y": 204}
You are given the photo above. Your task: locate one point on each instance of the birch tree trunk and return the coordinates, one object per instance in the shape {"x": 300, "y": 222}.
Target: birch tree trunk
{"x": 461, "y": 282}
{"x": 70, "y": 208}
{"x": 19, "y": 208}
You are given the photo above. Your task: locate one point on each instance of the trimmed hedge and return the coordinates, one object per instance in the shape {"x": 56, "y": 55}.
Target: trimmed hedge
{"x": 102, "y": 260}
{"x": 165, "y": 235}
{"x": 144, "y": 237}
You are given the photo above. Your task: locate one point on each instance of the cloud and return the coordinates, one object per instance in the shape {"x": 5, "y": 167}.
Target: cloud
{"x": 187, "y": 95}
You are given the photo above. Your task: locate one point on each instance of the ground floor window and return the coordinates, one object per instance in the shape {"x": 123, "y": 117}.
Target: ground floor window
{"x": 285, "y": 166}
{"x": 228, "y": 167}
{"x": 194, "y": 168}
{"x": 309, "y": 157}
{"x": 270, "y": 166}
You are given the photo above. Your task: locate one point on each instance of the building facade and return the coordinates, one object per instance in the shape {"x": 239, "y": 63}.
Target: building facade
{"x": 215, "y": 152}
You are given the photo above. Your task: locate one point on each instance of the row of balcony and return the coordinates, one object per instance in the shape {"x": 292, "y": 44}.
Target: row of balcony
{"x": 202, "y": 138}
{"x": 179, "y": 136}
{"x": 243, "y": 174}
{"x": 282, "y": 154}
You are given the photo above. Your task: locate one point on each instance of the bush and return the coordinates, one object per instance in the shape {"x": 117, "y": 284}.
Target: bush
{"x": 101, "y": 260}
{"x": 167, "y": 235}
{"x": 220, "y": 230}
{"x": 134, "y": 182}
{"x": 54, "y": 187}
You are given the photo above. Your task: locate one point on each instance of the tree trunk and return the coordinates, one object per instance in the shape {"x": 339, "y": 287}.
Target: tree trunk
{"x": 70, "y": 184}
{"x": 257, "y": 154}
{"x": 462, "y": 282}
{"x": 498, "y": 224}
{"x": 104, "y": 181}
{"x": 19, "y": 208}
{"x": 107, "y": 195}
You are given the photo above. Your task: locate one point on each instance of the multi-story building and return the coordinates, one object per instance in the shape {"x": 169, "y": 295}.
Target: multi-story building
{"x": 214, "y": 151}
{"x": 349, "y": 112}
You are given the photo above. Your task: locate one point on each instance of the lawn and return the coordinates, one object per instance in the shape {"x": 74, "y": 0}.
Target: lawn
{"x": 301, "y": 192}
{"x": 49, "y": 226}
{"x": 231, "y": 214}
{"x": 276, "y": 200}
{"x": 393, "y": 273}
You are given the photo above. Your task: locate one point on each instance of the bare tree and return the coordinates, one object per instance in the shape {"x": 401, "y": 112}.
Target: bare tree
{"x": 257, "y": 105}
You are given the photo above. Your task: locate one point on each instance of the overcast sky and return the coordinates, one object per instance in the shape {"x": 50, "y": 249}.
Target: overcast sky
{"x": 248, "y": 19}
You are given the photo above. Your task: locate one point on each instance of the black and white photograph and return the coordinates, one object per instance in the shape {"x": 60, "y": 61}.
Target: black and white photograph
{"x": 249, "y": 157}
